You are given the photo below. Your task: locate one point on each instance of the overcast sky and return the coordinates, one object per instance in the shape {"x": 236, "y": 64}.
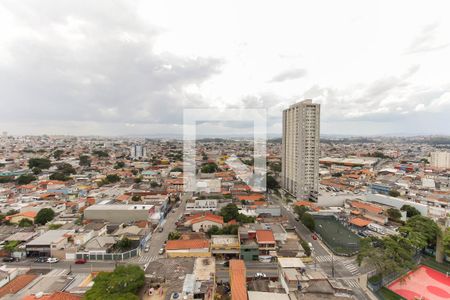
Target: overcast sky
{"x": 131, "y": 67}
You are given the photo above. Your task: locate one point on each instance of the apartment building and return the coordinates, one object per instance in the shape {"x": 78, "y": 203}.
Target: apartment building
{"x": 440, "y": 160}
{"x": 301, "y": 149}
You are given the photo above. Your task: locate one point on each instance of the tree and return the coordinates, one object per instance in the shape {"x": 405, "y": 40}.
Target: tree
{"x": 25, "y": 179}
{"x": 25, "y": 223}
{"x": 59, "y": 176}
{"x": 446, "y": 241}
{"x": 11, "y": 246}
{"x": 66, "y": 169}
{"x": 389, "y": 255}
{"x": 54, "y": 226}
{"x": 121, "y": 284}
{"x": 393, "y": 214}
{"x": 137, "y": 179}
{"x": 271, "y": 182}
{"x": 57, "y": 154}
{"x": 214, "y": 230}
{"x": 85, "y": 161}
{"x": 44, "y": 215}
{"x": 300, "y": 210}
{"x": 276, "y": 167}
{"x": 394, "y": 193}
{"x": 112, "y": 178}
{"x": 100, "y": 153}
{"x": 124, "y": 244}
{"x": 36, "y": 171}
{"x": 12, "y": 212}
{"x": 41, "y": 163}
{"x": 119, "y": 165}
{"x": 154, "y": 184}
{"x": 229, "y": 212}
{"x": 308, "y": 220}
{"x": 136, "y": 198}
{"x": 411, "y": 211}
{"x": 306, "y": 247}
{"x": 420, "y": 231}
{"x": 175, "y": 235}
{"x": 209, "y": 168}
{"x": 177, "y": 169}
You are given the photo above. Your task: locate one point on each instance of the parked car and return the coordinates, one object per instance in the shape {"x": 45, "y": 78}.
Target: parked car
{"x": 80, "y": 261}
{"x": 160, "y": 229}
{"x": 260, "y": 275}
{"x": 41, "y": 260}
{"x": 161, "y": 251}
{"x": 147, "y": 248}
{"x": 52, "y": 260}
{"x": 314, "y": 237}
{"x": 8, "y": 259}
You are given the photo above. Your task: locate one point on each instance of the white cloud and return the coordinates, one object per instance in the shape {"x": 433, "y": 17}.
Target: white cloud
{"x": 142, "y": 62}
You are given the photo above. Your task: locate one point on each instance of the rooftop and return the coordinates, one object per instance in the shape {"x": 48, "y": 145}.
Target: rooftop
{"x": 265, "y": 236}
{"x": 49, "y": 237}
{"x": 119, "y": 207}
{"x": 186, "y": 244}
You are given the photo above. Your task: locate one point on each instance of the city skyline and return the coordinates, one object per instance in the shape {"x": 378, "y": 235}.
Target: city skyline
{"x": 130, "y": 69}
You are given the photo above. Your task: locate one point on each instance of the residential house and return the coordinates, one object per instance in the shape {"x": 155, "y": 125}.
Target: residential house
{"x": 48, "y": 243}
{"x": 266, "y": 242}
{"x": 188, "y": 248}
{"x": 225, "y": 246}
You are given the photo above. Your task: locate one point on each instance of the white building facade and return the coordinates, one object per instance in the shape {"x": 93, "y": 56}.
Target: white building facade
{"x": 301, "y": 149}
{"x": 440, "y": 160}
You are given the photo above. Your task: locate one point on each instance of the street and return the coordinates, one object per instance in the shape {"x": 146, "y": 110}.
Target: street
{"x": 332, "y": 265}
{"x": 158, "y": 238}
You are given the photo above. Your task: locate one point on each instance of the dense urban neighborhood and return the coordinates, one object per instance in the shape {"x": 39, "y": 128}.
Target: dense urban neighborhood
{"x": 110, "y": 218}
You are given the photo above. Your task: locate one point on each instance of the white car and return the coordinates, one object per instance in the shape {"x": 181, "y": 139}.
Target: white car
{"x": 161, "y": 251}
{"x": 146, "y": 249}
{"x": 52, "y": 260}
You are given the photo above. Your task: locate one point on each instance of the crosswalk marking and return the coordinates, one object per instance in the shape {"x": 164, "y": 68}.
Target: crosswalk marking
{"x": 327, "y": 258}
{"x": 351, "y": 267}
{"x": 145, "y": 259}
{"x": 351, "y": 283}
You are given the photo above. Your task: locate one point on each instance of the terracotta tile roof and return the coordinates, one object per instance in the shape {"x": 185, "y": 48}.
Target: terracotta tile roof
{"x": 123, "y": 198}
{"x": 251, "y": 197}
{"x": 238, "y": 280}
{"x": 360, "y": 222}
{"x": 17, "y": 284}
{"x": 195, "y": 216}
{"x": 367, "y": 207}
{"x": 305, "y": 203}
{"x": 186, "y": 244}
{"x": 265, "y": 236}
{"x": 28, "y": 214}
{"x": 209, "y": 217}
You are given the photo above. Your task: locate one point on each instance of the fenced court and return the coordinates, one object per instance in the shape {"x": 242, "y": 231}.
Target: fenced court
{"x": 336, "y": 236}
{"x": 423, "y": 283}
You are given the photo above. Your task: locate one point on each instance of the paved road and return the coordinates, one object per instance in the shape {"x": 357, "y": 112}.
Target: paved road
{"x": 270, "y": 269}
{"x": 69, "y": 265}
{"x": 158, "y": 238}
{"x": 319, "y": 248}
{"x": 331, "y": 264}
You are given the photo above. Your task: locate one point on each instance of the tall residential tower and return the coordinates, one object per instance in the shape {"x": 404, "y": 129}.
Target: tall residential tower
{"x": 301, "y": 149}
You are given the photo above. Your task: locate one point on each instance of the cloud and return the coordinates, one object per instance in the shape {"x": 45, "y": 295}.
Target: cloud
{"x": 289, "y": 75}
{"x": 86, "y": 63}
{"x": 426, "y": 41}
